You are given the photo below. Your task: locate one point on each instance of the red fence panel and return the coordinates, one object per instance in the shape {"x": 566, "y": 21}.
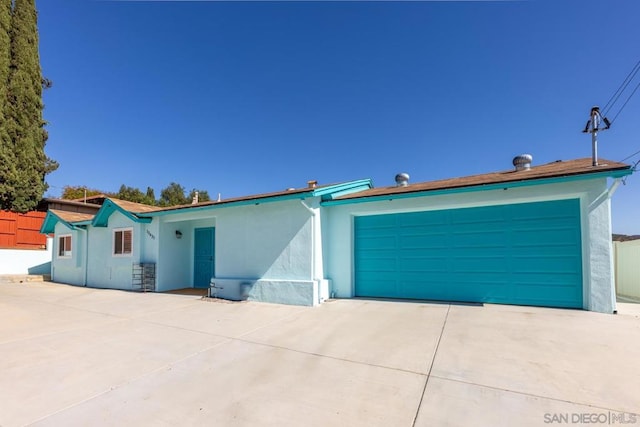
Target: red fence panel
{"x": 22, "y": 230}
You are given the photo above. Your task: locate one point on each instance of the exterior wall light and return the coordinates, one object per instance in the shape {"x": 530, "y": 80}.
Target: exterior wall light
{"x": 178, "y": 234}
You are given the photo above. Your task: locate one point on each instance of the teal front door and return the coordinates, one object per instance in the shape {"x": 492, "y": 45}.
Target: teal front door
{"x": 204, "y": 262}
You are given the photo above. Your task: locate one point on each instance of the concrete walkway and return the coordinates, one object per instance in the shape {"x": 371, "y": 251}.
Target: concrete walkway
{"x": 74, "y": 356}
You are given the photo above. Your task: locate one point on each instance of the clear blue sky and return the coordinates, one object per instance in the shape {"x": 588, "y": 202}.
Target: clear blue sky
{"x": 247, "y": 97}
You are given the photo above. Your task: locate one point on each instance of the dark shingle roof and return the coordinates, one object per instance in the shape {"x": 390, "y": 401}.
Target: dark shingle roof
{"x": 135, "y": 208}
{"x": 549, "y": 170}
{"x": 250, "y": 197}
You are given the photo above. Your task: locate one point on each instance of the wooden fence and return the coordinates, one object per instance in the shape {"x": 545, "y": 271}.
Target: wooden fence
{"x": 22, "y": 230}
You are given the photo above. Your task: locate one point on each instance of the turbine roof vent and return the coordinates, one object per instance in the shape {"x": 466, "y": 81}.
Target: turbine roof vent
{"x": 402, "y": 179}
{"x": 523, "y": 162}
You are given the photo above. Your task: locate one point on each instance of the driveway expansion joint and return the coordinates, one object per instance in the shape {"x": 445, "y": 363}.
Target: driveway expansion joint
{"x": 310, "y": 353}
{"x": 433, "y": 359}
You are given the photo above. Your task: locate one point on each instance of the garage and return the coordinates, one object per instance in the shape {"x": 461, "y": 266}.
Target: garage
{"x": 525, "y": 254}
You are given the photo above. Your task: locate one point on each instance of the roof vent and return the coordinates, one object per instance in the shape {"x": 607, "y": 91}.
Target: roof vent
{"x": 402, "y": 179}
{"x": 312, "y": 183}
{"x": 523, "y": 162}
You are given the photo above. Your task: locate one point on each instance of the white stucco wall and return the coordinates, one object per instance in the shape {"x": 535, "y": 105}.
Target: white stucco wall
{"x": 106, "y": 270}
{"x": 150, "y": 238}
{"x": 276, "y": 246}
{"x": 26, "y": 261}
{"x": 267, "y": 241}
{"x": 596, "y": 230}
{"x": 175, "y": 259}
{"x": 69, "y": 269}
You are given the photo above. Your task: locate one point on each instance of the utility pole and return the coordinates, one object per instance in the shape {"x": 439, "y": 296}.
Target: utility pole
{"x": 592, "y": 127}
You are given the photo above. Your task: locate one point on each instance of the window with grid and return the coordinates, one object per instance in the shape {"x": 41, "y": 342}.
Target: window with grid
{"x": 122, "y": 242}
{"x": 64, "y": 246}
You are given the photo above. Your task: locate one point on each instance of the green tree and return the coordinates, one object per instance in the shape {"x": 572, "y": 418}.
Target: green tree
{"x": 173, "y": 195}
{"x": 136, "y": 195}
{"x": 7, "y": 158}
{"x": 73, "y": 193}
{"x": 24, "y": 121}
{"x": 130, "y": 193}
{"x": 151, "y": 196}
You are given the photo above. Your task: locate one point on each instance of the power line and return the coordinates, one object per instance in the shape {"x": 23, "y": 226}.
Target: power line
{"x": 625, "y": 103}
{"x": 628, "y": 157}
{"x": 623, "y": 86}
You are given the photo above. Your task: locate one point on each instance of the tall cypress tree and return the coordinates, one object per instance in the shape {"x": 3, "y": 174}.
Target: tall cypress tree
{"x": 7, "y": 160}
{"x": 25, "y": 124}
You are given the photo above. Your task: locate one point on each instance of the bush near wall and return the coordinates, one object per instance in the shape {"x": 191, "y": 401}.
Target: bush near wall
{"x": 22, "y": 231}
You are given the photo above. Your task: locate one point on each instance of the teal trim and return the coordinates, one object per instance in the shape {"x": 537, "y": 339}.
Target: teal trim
{"x": 345, "y": 188}
{"x": 50, "y": 221}
{"x": 345, "y": 192}
{"x": 526, "y": 254}
{"x": 485, "y": 187}
{"x": 101, "y": 219}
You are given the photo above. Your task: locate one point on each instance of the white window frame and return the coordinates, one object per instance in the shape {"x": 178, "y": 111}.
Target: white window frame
{"x": 113, "y": 242}
{"x": 65, "y": 254}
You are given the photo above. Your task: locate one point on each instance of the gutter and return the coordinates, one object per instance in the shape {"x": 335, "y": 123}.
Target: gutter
{"x": 616, "y": 174}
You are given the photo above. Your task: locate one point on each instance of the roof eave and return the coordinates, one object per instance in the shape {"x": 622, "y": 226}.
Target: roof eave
{"x": 101, "y": 219}
{"x": 344, "y": 188}
{"x": 51, "y": 219}
{"x": 220, "y": 205}
{"x": 616, "y": 173}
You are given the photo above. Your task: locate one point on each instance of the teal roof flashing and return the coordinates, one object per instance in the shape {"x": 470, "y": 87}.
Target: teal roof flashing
{"x": 343, "y": 190}
{"x": 101, "y": 218}
{"x": 482, "y": 187}
{"x": 50, "y": 221}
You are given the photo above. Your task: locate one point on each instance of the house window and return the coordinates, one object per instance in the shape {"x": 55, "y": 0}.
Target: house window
{"x": 64, "y": 246}
{"x": 122, "y": 241}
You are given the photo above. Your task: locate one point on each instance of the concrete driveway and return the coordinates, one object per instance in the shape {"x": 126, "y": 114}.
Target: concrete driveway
{"x": 76, "y": 356}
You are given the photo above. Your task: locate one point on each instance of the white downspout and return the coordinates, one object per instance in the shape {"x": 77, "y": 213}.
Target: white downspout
{"x": 313, "y": 246}
{"x": 614, "y": 187}
{"x": 86, "y": 256}
{"x": 610, "y": 191}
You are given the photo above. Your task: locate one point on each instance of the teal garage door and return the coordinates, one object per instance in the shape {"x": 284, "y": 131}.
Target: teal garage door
{"x": 526, "y": 254}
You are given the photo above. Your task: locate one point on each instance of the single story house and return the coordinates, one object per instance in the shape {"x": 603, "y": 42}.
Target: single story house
{"x": 536, "y": 235}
